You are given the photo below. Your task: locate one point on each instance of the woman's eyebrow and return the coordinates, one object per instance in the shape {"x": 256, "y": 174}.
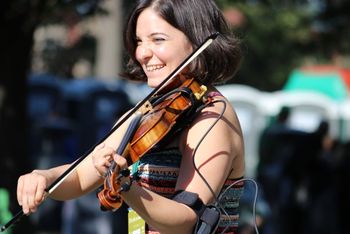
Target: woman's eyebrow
{"x": 155, "y": 34}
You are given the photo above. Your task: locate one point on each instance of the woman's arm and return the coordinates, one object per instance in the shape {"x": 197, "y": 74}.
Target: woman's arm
{"x": 214, "y": 159}
{"x": 219, "y": 155}
{"x": 83, "y": 179}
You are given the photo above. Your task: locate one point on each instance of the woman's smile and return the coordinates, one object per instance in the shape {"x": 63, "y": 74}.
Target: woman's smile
{"x": 151, "y": 68}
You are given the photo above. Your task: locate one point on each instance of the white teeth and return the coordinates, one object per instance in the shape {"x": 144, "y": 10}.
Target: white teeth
{"x": 154, "y": 67}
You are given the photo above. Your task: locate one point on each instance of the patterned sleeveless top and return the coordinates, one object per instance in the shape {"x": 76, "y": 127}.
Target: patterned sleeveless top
{"x": 158, "y": 171}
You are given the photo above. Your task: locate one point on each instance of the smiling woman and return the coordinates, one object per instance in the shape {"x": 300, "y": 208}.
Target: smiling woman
{"x": 196, "y": 20}
{"x": 191, "y": 180}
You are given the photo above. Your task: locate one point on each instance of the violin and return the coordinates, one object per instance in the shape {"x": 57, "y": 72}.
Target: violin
{"x": 166, "y": 111}
{"x": 148, "y": 130}
{"x": 156, "y": 123}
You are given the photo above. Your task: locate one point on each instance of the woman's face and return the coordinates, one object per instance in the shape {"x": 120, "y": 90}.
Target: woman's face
{"x": 160, "y": 47}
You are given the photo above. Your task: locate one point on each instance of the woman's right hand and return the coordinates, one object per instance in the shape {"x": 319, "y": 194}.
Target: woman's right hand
{"x": 31, "y": 190}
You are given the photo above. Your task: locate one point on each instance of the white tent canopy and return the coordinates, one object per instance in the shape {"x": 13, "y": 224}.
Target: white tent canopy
{"x": 255, "y": 109}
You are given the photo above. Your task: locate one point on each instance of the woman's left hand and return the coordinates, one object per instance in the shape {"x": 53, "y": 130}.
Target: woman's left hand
{"x": 102, "y": 157}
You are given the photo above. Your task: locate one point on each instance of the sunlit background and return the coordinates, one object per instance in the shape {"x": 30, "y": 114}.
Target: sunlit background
{"x": 61, "y": 92}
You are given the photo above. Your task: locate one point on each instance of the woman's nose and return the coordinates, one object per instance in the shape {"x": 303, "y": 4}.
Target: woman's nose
{"x": 145, "y": 53}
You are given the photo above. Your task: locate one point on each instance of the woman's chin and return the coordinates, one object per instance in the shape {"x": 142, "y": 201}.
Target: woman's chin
{"x": 154, "y": 82}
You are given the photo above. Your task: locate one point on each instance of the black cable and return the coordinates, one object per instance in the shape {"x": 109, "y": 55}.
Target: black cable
{"x": 218, "y": 199}
{"x": 254, "y": 201}
{"x": 201, "y": 140}
{"x": 197, "y": 146}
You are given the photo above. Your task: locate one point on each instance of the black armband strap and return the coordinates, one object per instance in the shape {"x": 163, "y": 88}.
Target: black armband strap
{"x": 190, "y": 199}
{"x": 208, "y": 215}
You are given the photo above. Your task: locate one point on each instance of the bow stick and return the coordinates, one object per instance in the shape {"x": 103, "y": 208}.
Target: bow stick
{"x": 74, "y": 165}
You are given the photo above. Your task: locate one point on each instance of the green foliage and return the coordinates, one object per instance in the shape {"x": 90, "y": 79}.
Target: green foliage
{"x": 279, "y": 36}
{"x": 332, "y": 25}
{"x": 275, "y": 40}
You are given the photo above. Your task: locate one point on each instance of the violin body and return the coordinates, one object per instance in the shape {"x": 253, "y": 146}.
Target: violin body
{"x": 153, "y": 127}
{"x": 156, "y": 124}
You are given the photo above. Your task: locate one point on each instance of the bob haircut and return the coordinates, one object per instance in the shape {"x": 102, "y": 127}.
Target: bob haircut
{"x": 197, "y": 19}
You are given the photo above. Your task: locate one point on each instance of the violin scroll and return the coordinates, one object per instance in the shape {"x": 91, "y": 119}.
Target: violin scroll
{"x": 109, "y": 196}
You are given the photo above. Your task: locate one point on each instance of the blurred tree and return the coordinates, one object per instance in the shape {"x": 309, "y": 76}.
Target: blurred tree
{"x": 60, "y": 59}
{"x": 274, "y": 36}
{"x": 281, "y": 35}
{"x": 331, "y": 28}
{"x": 18, "y": 20}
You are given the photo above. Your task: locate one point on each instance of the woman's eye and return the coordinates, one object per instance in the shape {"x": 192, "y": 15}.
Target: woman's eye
{"x": 158, "y": 39}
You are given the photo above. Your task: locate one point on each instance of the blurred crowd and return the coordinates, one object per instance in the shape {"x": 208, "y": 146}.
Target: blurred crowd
{"x": 301, "y": 176}
{"x": 66, "y": 119}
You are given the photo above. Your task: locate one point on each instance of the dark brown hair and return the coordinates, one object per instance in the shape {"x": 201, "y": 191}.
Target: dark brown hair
{"x": 197, "y": 19}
